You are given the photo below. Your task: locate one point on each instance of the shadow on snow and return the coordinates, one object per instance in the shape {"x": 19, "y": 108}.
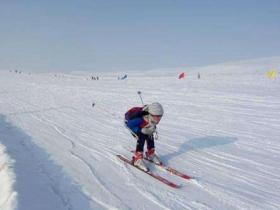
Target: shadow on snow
{"x": 40, "y": 183}
{"x": 200, "y": 144}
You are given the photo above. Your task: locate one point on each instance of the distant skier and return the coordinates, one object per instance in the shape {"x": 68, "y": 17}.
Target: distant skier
{"x": 142, "y": 121}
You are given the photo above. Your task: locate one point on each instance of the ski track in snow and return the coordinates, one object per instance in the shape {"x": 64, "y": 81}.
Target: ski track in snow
{"x": 221, "y": 129}
{"x": 101, "y": 184}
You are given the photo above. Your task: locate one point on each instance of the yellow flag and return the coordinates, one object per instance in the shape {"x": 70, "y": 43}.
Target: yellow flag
{"x": 271, "y": 74}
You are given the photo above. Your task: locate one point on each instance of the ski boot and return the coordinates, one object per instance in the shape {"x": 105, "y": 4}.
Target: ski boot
{"x": 151, "y": 155}
{"x": 139, "y": 162}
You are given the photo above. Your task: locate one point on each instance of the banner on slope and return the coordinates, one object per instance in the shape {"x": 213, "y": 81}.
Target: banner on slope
{"x": 181, "y": 75}
{"x": 271, "y": 74}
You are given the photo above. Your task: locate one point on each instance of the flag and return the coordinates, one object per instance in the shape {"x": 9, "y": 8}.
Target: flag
{"x": 182, "y": 75}
{"x": 271, "y": 74}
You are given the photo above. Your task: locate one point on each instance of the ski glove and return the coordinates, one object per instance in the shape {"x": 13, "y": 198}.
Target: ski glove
{"x": 149, "y": 129}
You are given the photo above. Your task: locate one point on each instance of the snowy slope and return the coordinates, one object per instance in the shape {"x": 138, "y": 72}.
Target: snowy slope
{"x": 59, "y": 152}
{"x": 8, "y": 197}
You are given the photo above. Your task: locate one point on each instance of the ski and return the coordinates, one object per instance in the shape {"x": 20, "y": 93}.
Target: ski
{"x": 159, "y": 178}
{"x": 169, "y": 169}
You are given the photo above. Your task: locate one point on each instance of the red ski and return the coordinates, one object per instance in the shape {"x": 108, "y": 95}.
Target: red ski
{"x": 159, "y": 178}
{"x": 169, "y": 169}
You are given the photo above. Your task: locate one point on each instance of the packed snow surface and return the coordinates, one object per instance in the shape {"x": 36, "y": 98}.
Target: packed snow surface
{"x": 60, "y": 134}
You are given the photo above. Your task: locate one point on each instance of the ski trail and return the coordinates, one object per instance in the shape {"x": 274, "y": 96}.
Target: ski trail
{"x": 102, "y": 185}
{"x": 143, "y": 191}
{"x": 74, "y": 153}
{"x": 36, "y": 172}
{"x": 74, "y": 144}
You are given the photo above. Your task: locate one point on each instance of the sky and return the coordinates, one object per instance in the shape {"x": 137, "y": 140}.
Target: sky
{"x": 124, "y": 35}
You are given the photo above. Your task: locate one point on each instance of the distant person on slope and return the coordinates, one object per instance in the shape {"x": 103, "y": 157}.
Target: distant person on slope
{"x": 142, "y": 121}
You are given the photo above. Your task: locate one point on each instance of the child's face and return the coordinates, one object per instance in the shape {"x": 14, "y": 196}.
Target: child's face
{"x": 155, "y": 118}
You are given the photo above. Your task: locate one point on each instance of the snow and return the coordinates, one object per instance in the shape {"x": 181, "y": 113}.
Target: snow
{"x": 8, "y": 196}
{"x": 59, "y": 152}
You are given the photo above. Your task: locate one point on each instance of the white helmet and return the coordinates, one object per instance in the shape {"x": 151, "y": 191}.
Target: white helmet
{"x": 155, "y": 109}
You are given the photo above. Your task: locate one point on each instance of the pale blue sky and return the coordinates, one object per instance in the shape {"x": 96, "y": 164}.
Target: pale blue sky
{"x": 97, "y": 35}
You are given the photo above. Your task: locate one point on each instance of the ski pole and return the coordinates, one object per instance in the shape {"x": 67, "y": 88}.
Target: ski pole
{"x": 139, "y": 93}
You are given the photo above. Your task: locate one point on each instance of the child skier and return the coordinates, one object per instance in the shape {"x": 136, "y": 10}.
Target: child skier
{"x": 142, "y": 121}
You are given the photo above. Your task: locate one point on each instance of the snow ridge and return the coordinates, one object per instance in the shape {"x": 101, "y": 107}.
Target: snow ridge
{"x": 8, "y": 196}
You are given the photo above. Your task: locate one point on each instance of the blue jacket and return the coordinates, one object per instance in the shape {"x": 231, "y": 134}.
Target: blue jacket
{"x": 135, "y": 125}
